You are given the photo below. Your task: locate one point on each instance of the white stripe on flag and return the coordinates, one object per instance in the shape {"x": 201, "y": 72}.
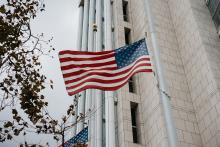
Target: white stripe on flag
{"x": 104, "y": 85}
{"x": 86, "y": 62}
{"x": 107, "y": 71}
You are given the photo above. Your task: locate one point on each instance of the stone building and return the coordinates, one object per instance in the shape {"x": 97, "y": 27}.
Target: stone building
{"x": 188, "y": 37}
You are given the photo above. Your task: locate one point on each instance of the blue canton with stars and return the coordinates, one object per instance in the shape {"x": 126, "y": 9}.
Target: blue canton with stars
{"x": 128, "y": 54}
{"x": 81, "y": 137}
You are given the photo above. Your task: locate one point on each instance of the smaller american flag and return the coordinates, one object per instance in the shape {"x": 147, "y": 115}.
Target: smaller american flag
{"x": 106, "y": 70}
{"x": 80, "y": 138}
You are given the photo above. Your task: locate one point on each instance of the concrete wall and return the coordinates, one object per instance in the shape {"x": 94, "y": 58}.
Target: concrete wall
{"x": 190, "y": 52}
{"x": 200, "y": 48}
{"x": 124, "y": 96}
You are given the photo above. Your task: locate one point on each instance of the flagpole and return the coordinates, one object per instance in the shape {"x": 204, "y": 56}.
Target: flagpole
{"x": 109, "y": 96}
{"x": 171, "y": 130}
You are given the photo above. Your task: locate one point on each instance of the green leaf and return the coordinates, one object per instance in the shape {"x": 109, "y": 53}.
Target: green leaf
{"x": 8, "y": 124}
{"x": 2, "y": 9}
{"x": 18, "y": 119}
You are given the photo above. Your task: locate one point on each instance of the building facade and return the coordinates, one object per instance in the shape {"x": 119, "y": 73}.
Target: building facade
{"x": 188, "y": 37}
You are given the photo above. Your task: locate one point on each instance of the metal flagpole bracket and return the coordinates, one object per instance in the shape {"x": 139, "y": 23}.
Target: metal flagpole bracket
{"x": 145, "y": 34}
{"x": 94, "y": 27}
{"x": 163, "y": 91}
{"x": 154, "y": 73}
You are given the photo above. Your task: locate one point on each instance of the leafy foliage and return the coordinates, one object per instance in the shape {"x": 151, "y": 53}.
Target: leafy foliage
{"x": 20, "y": 78}
{"x": 19, "y": 57}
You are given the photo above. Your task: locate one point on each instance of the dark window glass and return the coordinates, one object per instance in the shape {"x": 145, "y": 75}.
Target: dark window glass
{"x": 133, "y": 117}
{"x": 134, "y": 111}
{"x": 125, "y": 10}
{"x": 135, "y": 134}
{"x": 131, "y": 85}
{"x": 212, "y": 5}
{"x": 127, "y": 36}
{"x": 216, "y": 17}
{"x": 214, "y": 8}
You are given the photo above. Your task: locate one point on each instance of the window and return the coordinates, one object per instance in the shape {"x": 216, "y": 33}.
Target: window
{"x": 127, "y": 36}
{"x": 131, "y": 85}
{"x": 214, "y": 8}
{"x": 134, "y": 111}
{"x": 125, "y": 10}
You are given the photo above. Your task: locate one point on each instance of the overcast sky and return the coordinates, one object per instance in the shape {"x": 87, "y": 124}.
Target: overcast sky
{"x": 59, "y": 21}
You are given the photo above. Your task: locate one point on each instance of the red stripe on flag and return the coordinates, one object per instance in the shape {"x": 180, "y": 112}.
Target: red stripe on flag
{"x": 85, "y": 70}
{"x": 106, "y": 81}
{"x": 105, "y": 88}
{"x": 110, "y": 68}
{"x": 67, "y": 59}
{"x": 104, "y": 74}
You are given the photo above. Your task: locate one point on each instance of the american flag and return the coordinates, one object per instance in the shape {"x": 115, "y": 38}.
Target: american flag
{"x": 80, "y": 139}
{"x": 106, "y": 70}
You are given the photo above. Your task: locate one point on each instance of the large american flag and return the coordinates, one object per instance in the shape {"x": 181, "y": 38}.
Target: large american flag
{"x": 106, "y": 70}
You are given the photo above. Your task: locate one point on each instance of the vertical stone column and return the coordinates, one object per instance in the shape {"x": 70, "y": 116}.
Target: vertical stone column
{"x": 109, "y": 96}
{"x": 90, "y": 109}
{"x": 79, "y": 45}
{"x": 98, "y": 93}
{"x": 81, "y": 105}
